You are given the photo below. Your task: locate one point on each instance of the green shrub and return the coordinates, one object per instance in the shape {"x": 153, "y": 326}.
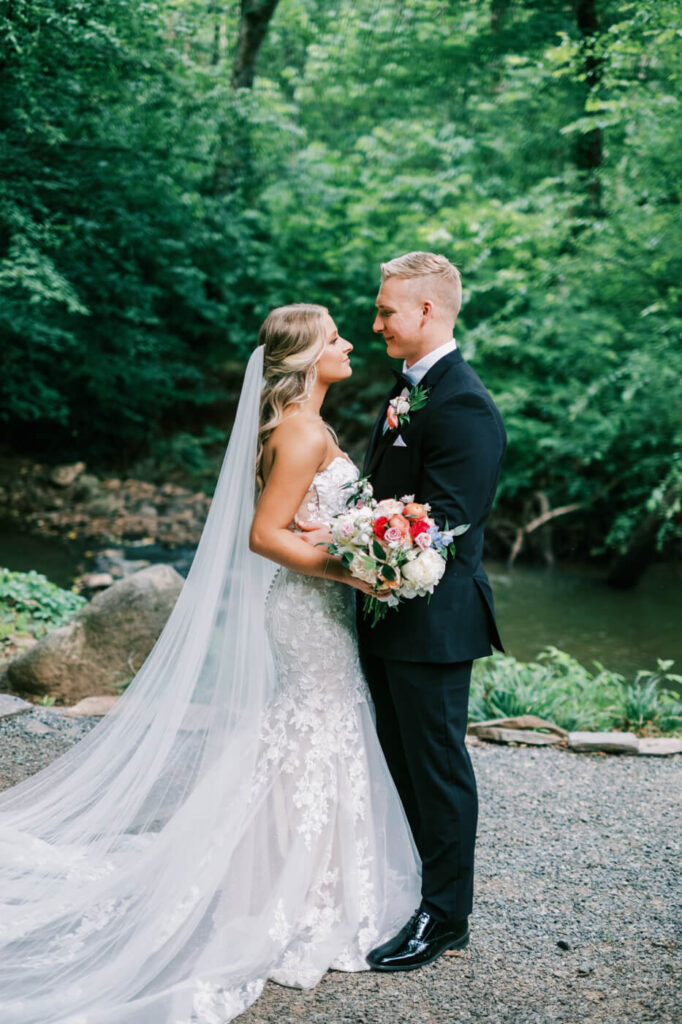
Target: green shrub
{"x": 30, "y": 603}
{"x": 560, "y": 689}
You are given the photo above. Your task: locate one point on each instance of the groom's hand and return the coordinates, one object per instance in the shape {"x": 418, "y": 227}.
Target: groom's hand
{"x": 312, "y": 532}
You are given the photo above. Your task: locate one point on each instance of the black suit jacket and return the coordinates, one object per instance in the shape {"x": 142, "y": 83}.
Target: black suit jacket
{"x": 451, "y": 458}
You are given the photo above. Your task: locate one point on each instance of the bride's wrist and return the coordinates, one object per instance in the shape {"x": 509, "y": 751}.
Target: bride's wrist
{"x": 334, "y": 570}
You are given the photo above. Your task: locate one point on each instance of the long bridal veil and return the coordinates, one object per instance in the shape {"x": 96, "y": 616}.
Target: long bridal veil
{"x": 145, "y": 874}
{"x": 111, "y": 857}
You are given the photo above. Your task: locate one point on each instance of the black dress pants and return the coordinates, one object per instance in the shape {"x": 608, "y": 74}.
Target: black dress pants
{"x": 421, "y": 716}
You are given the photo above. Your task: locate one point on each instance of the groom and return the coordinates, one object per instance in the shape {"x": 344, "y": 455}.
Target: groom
{"x": 418, "y": 659}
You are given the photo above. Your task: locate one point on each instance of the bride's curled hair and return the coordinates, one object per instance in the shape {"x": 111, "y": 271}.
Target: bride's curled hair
{"x": 293, "y": 339}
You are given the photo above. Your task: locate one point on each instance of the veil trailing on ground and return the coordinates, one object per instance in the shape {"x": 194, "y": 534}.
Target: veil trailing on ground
{"x": 112, "y": 859}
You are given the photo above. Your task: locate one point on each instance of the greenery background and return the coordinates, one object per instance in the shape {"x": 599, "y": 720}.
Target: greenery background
{"x": 171, "y": 170}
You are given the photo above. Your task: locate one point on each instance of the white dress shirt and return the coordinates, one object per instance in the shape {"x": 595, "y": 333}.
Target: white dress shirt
{"x": 418, "y": 370}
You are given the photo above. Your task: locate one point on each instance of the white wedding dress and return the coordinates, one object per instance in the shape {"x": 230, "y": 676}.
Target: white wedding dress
{"x": 232, "y": 820}
{"x": 340, "y": 818}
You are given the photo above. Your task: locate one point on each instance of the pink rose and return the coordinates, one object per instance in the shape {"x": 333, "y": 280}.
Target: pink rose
{"x": 399, "y": 522}
{"x": 393, "y": 534}
{"x": 423, "y": 541}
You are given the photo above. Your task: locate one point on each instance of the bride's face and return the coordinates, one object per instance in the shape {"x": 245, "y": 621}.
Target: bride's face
{"x": 334, "y": 362}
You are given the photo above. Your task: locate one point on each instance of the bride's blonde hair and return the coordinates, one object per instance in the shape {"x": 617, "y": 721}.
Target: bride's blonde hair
{"x": 293, "y": 340}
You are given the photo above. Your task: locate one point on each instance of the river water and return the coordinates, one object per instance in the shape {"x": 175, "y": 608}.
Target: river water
{"x": 569, "y": 606}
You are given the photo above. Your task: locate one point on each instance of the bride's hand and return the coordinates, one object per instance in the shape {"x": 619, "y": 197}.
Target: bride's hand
{"x": 311, "y": 532}
{"x": 365, "y": 588}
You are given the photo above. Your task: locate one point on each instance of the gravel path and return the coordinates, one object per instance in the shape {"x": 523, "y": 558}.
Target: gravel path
{"x": 577, "y": 907}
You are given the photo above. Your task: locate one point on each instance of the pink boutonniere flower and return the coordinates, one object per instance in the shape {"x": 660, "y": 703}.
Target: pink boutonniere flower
{"x": 400, "y": 407}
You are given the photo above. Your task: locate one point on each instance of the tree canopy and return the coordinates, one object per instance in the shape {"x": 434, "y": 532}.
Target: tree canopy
{"x": 171, "y": 170}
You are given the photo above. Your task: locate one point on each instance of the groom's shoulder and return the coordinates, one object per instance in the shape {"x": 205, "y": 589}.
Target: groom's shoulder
{"x": 459, "y": 381}
{"x": 461, "y": 402}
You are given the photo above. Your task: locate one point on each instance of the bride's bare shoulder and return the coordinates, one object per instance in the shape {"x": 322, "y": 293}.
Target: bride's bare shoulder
{"x": 298, "y": 439}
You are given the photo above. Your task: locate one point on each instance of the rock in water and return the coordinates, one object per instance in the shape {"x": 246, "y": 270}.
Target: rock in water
{"x": 105, "y": 644}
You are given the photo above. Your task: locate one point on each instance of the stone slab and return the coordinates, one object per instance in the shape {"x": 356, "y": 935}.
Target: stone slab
{"x": 11, "y": 705}
{"x": 535, "y": 739}
{"x": 659, "y": 746}
{"x": 608, "y": 742}
{"x": 518, "y": 722}
{"x": 91, "y": 707}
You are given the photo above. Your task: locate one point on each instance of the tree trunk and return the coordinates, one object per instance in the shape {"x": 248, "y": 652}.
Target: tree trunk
{"x": 588, "y": 149}
{"x": 232, "y": 167}
{"x": 627, "y": 569}
{"x": 498, "y": 12}
{"x": 218, "y": 47}
{"x": 253, "y": 26}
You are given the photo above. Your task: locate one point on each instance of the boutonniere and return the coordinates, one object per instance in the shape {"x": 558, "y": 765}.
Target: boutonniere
{"x": 400, "y": 407}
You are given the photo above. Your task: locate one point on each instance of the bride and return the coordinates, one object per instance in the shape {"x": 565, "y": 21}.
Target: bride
{"x": 232, "y": 819}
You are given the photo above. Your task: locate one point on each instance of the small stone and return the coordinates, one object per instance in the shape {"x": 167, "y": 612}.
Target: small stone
{"x": 659, "y": 746}
{"x": 36, "y": 728}
{"x": 585, "y": 969}
{"x": 65, "y": 475}
{"x": 91, "y": 707}
{"x": 609, "y": 742}
{"x": 11, "y": 705}
{"x": 96, "y": 580}
{"x": 562, "y": 944}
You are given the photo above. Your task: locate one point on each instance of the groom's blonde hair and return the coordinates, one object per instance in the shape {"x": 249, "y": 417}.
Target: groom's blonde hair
{"x": 445, "y": 275}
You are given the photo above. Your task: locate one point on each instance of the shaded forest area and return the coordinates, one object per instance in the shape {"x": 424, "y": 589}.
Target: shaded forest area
{"x": 171, "y": 170}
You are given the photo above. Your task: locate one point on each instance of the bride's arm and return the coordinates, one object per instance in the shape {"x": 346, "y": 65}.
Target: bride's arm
{"x": 298, "y": 453}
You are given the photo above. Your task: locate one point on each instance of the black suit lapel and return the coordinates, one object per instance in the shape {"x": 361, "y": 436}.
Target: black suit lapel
{"x": 376, "y": 435}
{"x": 380, "y": 442}
{"x": 375, "y": 441}
{"x": 385, "y": 441}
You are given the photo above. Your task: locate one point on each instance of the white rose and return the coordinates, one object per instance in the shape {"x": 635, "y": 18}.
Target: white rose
{"x": 361, "y": 569}
{"x": 425, "y": 570}
{"x": 342, "y": 528}
{"x": 401, "y": 406}
{"x": 388, "y": 507}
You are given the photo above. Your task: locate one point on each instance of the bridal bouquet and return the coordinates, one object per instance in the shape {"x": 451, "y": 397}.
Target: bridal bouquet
{"x": 391, "y": 543}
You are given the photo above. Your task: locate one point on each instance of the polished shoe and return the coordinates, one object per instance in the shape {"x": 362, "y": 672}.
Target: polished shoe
{"x": 420, "y": 942}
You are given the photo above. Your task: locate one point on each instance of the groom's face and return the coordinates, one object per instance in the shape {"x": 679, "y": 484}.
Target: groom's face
{"x": 400, "y": 317}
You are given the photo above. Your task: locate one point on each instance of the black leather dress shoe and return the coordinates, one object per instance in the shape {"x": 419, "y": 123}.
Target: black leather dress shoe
{"x": 421, "y": 941}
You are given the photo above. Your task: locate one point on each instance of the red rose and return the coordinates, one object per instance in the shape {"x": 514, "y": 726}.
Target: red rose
{"x": 419, "y": 526}
{"x": 380, "y": 527}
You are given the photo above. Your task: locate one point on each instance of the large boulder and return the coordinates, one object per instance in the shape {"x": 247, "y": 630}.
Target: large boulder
{"x": 105, "y": 644}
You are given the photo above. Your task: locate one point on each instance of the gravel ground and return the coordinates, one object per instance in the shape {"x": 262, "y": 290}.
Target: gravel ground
{"x": 577, "y": 906}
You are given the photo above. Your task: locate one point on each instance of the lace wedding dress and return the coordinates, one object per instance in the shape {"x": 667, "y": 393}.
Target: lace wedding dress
{"x": 340, "y": 820}
{"x": 232, "y": 820}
